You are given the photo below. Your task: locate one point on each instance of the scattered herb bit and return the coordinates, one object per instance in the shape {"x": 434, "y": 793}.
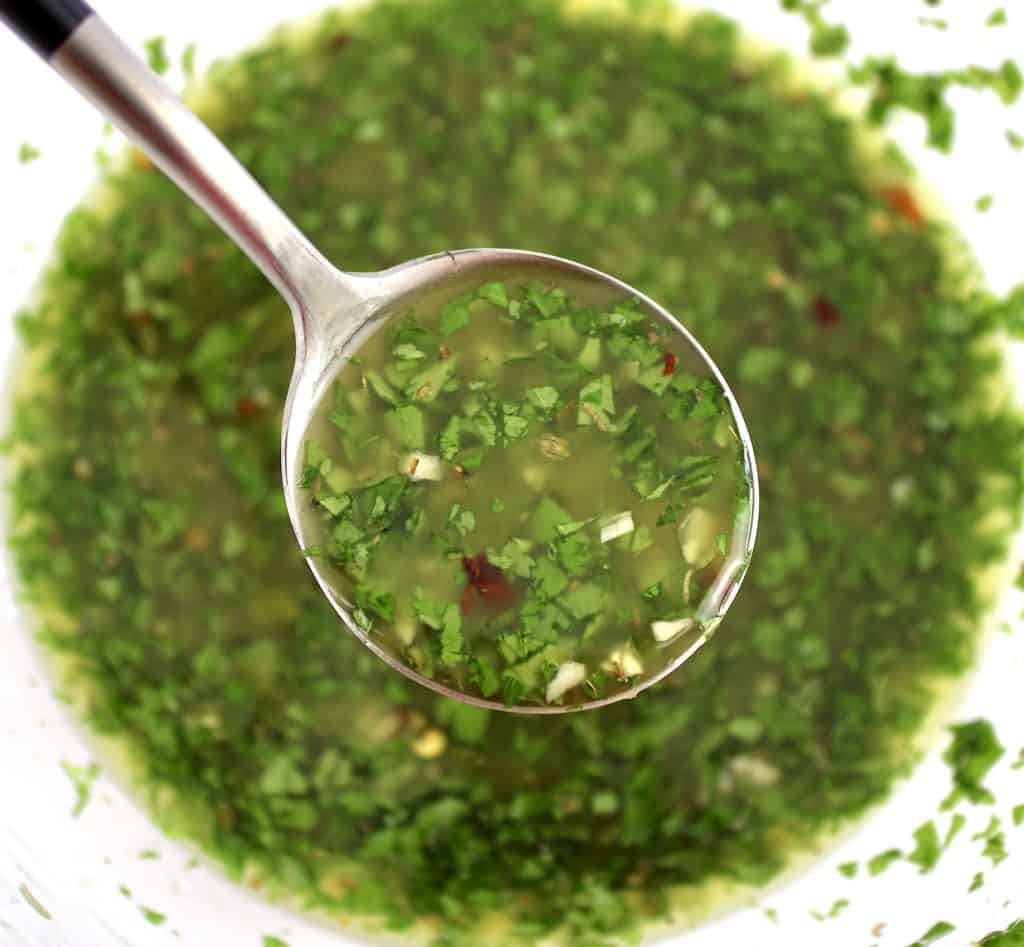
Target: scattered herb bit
{"x": 27, "y": 153}
{"x": 956, "y": 825}
{"x": 883, "y": 860}
{"x": 977, "y": 882}
{"x": 997, "y": 17}
{"x": 893, "y": 87}
{"x": 33, "y": 902}
{"x": 269, "y": 940}
{"x": 833, "y": 912}
{"x": 154, "y": 917}
{"x": 983, "y": 203}
{"x": 82, "y": 777}
{"x": 156, "y": 54}
{"x": 935, "y": 933}
{"x": 1013, "y": 936}
{"x": 848, "y": 869}
{"x": 927, "y": 848}
{"x": 188, "y": 61}
{"x": 975, "y": 749}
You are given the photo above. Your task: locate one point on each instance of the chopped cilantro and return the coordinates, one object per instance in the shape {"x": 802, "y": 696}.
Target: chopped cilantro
{"x": 547, "y": 517}
{"x": 188, "y": 61}
{"x": 927, "y": 848}
{"x": 548, "y": 578}
{"x": 495, "y": 293}
{"x": 934, "y": 933}
{"x": 462, "y": 519}
{"x": 407, "y": 352}
{"x": 409, "y": 426}
{"x": 154, "y": 917}
{"x": 484, "y": 676}
{"x": 82, "y": 778}
{"x": 544, "y": 398}
{"x": 833, "y": 912}
{"x": 452, "y": 642}
{"x": 156, "y": 54}
{"x": 27, "y": 153}
{"x": 597, "y": 403}
{"x": 880, "y": 862}
{"x": 974, "y": 750}
{"x": 585, "y": 600}
{"x": 454, "y": 316}
{"x": 956, "y": 825}
{"x": 427, "y": 384}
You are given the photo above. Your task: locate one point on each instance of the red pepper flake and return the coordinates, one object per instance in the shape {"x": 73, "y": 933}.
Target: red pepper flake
{"x": 467, "y": 600}
{"x": 903, "y": 203}
{"x": 488, "y": 580}
{"x": 670, "y": 364}
{"x": 248, "y": 408}
{"x": 339, "y": 41}
{"x": 826, "y": 313}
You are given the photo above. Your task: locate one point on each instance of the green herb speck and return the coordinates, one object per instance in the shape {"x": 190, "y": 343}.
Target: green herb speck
{"x": 156, "y": 54}
{"x": 82, "y": 777}
{"x": 27, "y": 153}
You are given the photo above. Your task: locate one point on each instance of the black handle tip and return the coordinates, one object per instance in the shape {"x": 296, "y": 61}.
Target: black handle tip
{"x": 44, "y": 24}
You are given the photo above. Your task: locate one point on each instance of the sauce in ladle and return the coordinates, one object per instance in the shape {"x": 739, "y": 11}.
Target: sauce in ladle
{"x": 529, "y": 500}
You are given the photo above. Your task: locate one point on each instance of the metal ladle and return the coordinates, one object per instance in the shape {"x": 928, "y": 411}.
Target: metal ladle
{"x": 334, "y": 312}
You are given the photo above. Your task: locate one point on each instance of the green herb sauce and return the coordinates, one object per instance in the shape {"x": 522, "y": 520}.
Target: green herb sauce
{"x": 150, "y": 529}
{"x": 618, "y": 474}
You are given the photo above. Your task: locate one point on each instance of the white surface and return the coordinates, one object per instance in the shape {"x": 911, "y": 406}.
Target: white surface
{"x": 74, "y": 867}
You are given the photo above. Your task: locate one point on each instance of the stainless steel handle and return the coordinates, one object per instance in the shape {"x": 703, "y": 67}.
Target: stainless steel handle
{"x": 97, "y": 62}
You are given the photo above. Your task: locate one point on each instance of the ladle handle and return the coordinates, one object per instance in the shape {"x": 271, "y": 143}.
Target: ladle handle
{"x": 87, "y": 53}
{"x": 44, "y": 24}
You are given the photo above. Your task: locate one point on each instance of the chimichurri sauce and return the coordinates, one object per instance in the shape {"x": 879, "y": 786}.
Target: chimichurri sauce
{"x": 150, "y": 527}
{"x": 529, "y": 498}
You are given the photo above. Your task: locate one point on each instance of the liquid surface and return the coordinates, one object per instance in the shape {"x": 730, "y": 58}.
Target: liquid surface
{"x": 528, "y": 498}
{"x": 151, "y": 531}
